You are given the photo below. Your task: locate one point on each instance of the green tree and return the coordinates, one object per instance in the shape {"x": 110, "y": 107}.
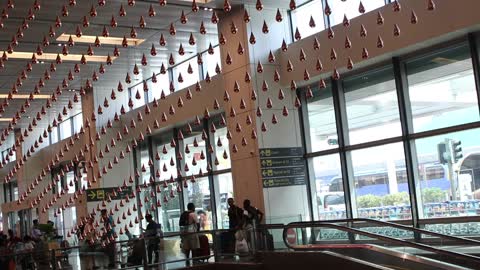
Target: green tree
{"x": 400, "y": 198}
{"x": 433, "y": 195}
{"x": 367, "y": 201}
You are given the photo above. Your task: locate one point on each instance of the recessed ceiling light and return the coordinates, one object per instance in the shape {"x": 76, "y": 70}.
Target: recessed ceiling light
{"x": 53, "y": 56}
{"x": 24, "y": 96}
{"x": 103, "y": 40}
{"x": 59, "y": 45}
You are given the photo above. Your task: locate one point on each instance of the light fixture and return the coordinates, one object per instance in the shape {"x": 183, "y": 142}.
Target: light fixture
{"x": 6, "y": 119}
{"x": 53, "y": 57}
{"x": 25, "y": 96}
{"x": 103, "y": 40}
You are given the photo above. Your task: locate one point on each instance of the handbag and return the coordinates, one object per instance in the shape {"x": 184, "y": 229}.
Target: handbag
{"x": 240, "y": 235}
{"x": 241, "y": 246}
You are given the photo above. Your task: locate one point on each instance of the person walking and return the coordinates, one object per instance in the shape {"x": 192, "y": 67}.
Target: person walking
{"x": 153, "y": 238}
{"x": 108, "y": 224}
{"x": 189, "y": 226}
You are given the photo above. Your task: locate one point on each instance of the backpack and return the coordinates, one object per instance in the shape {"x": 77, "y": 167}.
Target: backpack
{"x": 184, "y": 219}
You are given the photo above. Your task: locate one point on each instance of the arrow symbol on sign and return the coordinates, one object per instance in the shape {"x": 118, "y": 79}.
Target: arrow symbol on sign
{"x": 92, "y": 194}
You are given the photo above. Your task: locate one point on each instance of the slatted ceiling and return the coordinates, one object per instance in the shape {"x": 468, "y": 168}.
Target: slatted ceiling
{"x": 46, "y": 16}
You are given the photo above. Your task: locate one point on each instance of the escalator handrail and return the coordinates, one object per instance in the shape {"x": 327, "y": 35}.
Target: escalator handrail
{"x": 466, "y": 257}
{"x": 400, "y": 226}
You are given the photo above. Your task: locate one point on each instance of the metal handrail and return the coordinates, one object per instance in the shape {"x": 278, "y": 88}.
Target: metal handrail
{"x": 145, "y": 239}
{"x": 400, "y": 226}
{"x": 474, "y": 260}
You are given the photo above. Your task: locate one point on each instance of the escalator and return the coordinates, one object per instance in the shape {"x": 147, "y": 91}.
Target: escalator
{"x": 362, "y": 241}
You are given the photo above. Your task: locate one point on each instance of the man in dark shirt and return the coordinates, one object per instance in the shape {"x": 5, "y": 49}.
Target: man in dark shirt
{"x": 152, "y": 238}
{"x": 235, "y": 215}
{"x": 252, "y": 214}
{"x": 109, "y": 233}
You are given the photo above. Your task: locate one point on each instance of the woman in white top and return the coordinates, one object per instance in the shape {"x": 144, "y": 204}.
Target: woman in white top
{"x": 190, "y": 241}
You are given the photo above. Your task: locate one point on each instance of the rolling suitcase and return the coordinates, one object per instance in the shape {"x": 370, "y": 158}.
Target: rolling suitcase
{"x": 204, "y": 249}
{"x": 227, "y": 242}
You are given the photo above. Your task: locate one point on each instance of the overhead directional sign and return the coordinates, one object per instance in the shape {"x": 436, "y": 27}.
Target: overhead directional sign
{"x": 100, "y": 194}
{"x": 282, "y": 162}
{"x": 282, "y": 167}
{"x": 284, "y": 181}
{"x": 281, "y": 152}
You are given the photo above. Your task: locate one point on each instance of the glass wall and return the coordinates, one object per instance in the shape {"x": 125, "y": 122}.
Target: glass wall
{"x": 309, "y": 18}
{"x": 302, "y": 16}
{"x": 322, "y": 125}
{"x": 447, "y": 187}
{"x": 77, "y": 122}
{"x": 210, "y": 62}
{"x": 162, "y": 84}
{"x": 198, "y": 193}
{"x": 188, "y": 76}
{"x": 372, "y": 106}
{"x": 166, "y": 169}
{"x": 328, "y": 199}
{"x": 351, "y": 9}
{"x": 441, "y": 87}
{"x": 430, "y": 151}
{"x": 224, "y": 188}
{"x": 53, "y": 136}
{"x": 65, "y": 129}
{"x": 194, "y": 153}
{"x": 380, "y": 182}
{"x": 181, "y": 151}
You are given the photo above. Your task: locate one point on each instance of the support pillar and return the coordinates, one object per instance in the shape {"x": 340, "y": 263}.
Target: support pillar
{"x": 283, "y": 203}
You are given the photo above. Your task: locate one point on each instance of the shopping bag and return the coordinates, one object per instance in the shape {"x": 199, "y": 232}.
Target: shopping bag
{"x": 241, "y": 246}
{"x": 240, "y": 235}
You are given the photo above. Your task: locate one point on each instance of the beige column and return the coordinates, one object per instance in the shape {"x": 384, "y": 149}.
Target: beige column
{"x": 88, "y": 107}
{"x": 247, "y": 182}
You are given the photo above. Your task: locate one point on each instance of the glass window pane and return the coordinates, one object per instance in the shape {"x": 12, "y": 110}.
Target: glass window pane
{"x": 167, "y": 163}
{"x": 199, "y": 194}
{"x": 163, "y": 83}
{"x": 381, "y": 186}
{"x": 169, "y": 213}
{"x": 350, "y": 8}
{"x": 224, "y": 185}
{"x": 54, "y": 135}
{"x": 327, "y": 185}
{"x": 137, "y": 102}
{"x": 449, "y": 186}
{"x": 321, "y": 120}
{"x": 15, "y": 191}
{"x": 222, "y": 151}
{"x": 148, "y": 194}
{"x": 442, "y": 89}
{"x": 77, "y": 122}
{"x": 188, "y": 79}
{"x": 194, "y": 155}
{"x": 65, "y": 129}
{"x": 372, "y": 106}
{"x": 210, "y": 61}
{"x": 301, "y": 18}
{"x": 70, "y": 182}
